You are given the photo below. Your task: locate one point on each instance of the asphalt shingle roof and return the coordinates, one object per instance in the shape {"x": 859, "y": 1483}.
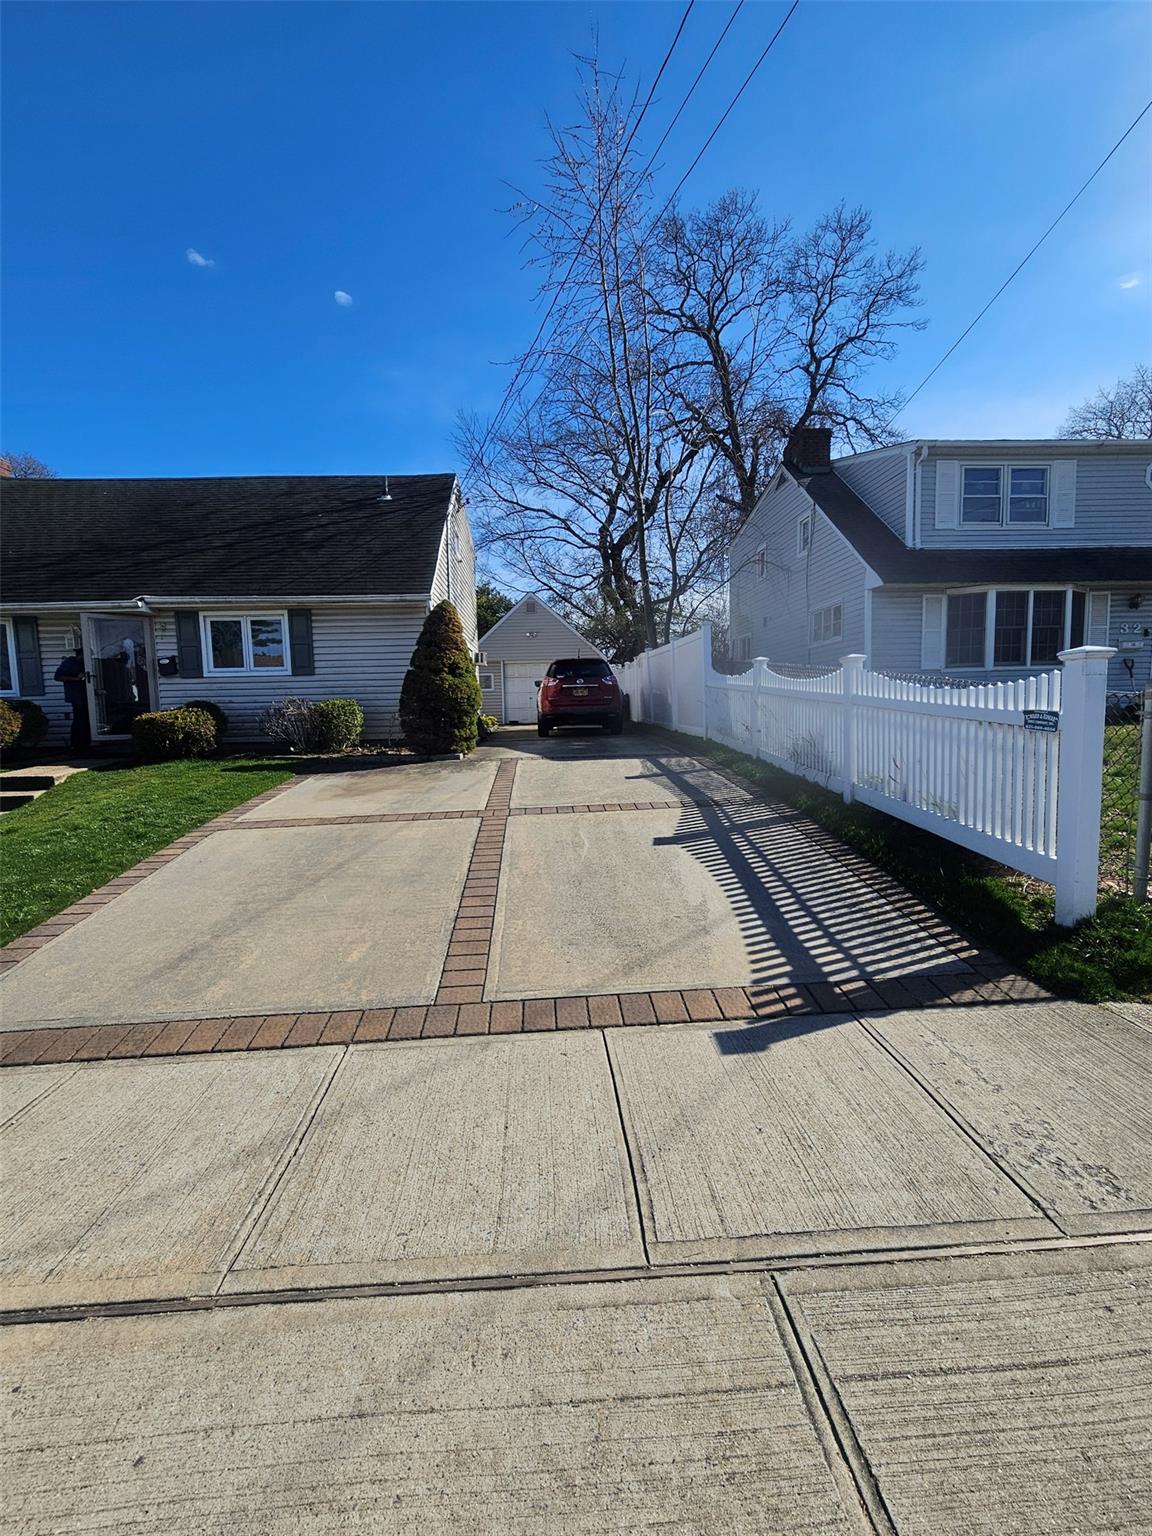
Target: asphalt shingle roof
{"x": 260, "y": 536}
{"x": 894, "y": 562}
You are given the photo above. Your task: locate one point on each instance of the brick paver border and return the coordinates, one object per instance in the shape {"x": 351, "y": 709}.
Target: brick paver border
{"x": 987, "y": 983}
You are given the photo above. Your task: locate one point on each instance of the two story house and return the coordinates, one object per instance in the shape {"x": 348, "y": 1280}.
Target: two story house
{"x": 976, "y": 560}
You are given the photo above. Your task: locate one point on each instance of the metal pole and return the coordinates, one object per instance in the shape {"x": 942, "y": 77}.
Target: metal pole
{"x": 1144, "y": 802}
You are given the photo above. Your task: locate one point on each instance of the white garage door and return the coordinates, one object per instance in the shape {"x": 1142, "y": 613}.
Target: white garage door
{"x": 520, "y": 690}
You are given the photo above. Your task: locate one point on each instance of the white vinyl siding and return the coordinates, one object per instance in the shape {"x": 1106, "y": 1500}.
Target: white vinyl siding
{"x": 776, "y": 614}
{"x": 880, "y": 479}
{"x": 455, "y": 576}
{"x": 361, "y": 653}
{"x": 493, "y": 695}
{"x": 58, "y": 636}
{"x": 1094, "y": 499}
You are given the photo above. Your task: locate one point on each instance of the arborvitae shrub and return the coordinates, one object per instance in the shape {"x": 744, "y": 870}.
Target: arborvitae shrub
{"x": 440, "y": 699}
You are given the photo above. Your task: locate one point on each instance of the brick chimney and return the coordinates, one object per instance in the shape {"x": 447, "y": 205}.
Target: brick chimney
{"x": 809, "y": 450}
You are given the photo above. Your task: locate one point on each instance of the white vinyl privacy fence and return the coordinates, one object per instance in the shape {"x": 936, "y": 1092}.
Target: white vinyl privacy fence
{"x": 1011, "y": 770}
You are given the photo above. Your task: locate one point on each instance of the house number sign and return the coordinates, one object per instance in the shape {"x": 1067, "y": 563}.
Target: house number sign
{"x": 1041, "y": 719}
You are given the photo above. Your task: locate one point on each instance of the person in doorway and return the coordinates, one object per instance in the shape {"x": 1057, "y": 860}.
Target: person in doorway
{"x": 72, "y": 673}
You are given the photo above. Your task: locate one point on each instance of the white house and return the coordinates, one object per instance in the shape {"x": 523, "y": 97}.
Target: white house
{"x": 516, "y": 652}
{"x": 980, "y": 561}
{"x": 239, "y": 591}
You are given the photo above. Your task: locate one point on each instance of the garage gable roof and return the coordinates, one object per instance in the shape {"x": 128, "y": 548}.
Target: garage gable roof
{"x": 510, "y": 636}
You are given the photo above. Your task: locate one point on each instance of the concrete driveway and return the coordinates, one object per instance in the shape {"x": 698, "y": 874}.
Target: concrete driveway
{"x": 833, "y": 1254}
{"x": 536, "y": 874}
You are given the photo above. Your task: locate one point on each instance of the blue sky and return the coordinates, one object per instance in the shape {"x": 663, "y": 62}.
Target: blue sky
{"x": 305, "y": 149}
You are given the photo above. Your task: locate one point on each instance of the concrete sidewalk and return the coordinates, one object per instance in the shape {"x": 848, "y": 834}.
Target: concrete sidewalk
{"x": 556, "y": 1367}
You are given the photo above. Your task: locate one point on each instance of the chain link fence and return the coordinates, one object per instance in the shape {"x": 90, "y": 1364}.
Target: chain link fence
{"x": 1119, "y": 807}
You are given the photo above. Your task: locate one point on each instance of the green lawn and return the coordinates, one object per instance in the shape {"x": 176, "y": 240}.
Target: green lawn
{"x": 1107, "y": 956}
{"x": 95, "y": 825}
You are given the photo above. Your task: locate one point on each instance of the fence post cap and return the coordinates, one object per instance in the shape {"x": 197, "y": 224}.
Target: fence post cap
{"x": 1087, "y": 653}
{"x": 856, "y": 661}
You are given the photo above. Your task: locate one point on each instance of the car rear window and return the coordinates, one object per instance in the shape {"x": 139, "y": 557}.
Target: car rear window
{"x": 588, "y": 667}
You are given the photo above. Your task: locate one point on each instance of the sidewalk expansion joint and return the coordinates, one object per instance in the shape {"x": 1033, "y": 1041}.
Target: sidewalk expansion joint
{"x": 72, "y": 1312}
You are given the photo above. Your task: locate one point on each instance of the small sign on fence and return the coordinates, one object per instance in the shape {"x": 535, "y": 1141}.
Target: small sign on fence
{"x": 1041, "y": 719}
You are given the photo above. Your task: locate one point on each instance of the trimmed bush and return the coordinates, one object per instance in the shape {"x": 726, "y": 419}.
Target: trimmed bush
{"x": 33, "y": 722}
{"x": 212, "y": 709}
{"x": 440, "y": 701}
{"x": 336, "y": 724}
{"x": 10, "y": 723}
{"x": 170, "y": 733}
{"x": 485, "y": 725}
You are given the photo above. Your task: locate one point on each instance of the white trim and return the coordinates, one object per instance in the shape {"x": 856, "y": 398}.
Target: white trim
{"x": 132, "y": 604}
{"x": 835, "y": 611}
{"x": 244, "y": 618}
{"x": 87, "y": 619}
{"x": 8, "y": 641}
{"x": 540, "y": 603}
{"x": 1005, "y": 519}
{"x": 989, "y": 663}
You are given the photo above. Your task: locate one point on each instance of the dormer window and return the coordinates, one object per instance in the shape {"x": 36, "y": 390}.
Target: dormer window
{"x": 1003, "y": 493}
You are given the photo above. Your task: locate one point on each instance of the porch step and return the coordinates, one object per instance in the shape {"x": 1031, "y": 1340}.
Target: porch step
{"x": 26, "y": 781}
{"x": 24, "y": 785}
{"x": 14, "y": 802}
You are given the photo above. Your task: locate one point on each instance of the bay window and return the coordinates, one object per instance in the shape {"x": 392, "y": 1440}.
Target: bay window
{"x": 245, "y": 642}
{"x": 1012, "y": 627}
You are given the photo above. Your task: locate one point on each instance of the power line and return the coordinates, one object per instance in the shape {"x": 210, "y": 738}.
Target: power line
{"x": 506, "y": 398}
{"x": 748, "y": 78}
{"x": 1020, "y": 267}
{"x": 737, "y": 8}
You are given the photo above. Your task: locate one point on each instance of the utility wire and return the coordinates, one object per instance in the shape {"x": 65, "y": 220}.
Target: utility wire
{"x": 1018, "y": 269}
{"x": 611, "y": 181}
{"x": 506, "y": 399}
{"x": 724, "y": 116}
{"x": 737, "y": 8}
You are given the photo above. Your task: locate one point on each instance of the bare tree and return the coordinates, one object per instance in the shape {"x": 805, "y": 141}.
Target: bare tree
{"x": 26, "y": 466}
{"x": 684, "y": 350}
{"x": 1124, "y": 411}
{"x": 775, "y": 331}
{"x": 581, "y": 482}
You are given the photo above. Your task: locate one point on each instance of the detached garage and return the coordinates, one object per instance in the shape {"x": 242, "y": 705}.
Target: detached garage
{"x": 517, "y": 650}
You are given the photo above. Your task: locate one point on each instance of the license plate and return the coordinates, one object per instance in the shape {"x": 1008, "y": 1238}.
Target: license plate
{"x": 579, "y": 693}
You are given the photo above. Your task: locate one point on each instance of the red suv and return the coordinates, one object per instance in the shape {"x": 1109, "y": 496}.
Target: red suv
{"x": 579, "y": 691}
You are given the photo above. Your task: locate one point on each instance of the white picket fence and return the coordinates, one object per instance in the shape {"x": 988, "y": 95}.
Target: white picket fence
{"x": 1011, "y": 770}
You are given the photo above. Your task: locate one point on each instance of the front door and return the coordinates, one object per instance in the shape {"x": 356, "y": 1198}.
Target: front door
{"x": 118, "y": 655}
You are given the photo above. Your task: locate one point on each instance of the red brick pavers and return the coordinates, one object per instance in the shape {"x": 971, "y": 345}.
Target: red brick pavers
{"x": 466, "y": 962}
{"x": 612, "y": 1010}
